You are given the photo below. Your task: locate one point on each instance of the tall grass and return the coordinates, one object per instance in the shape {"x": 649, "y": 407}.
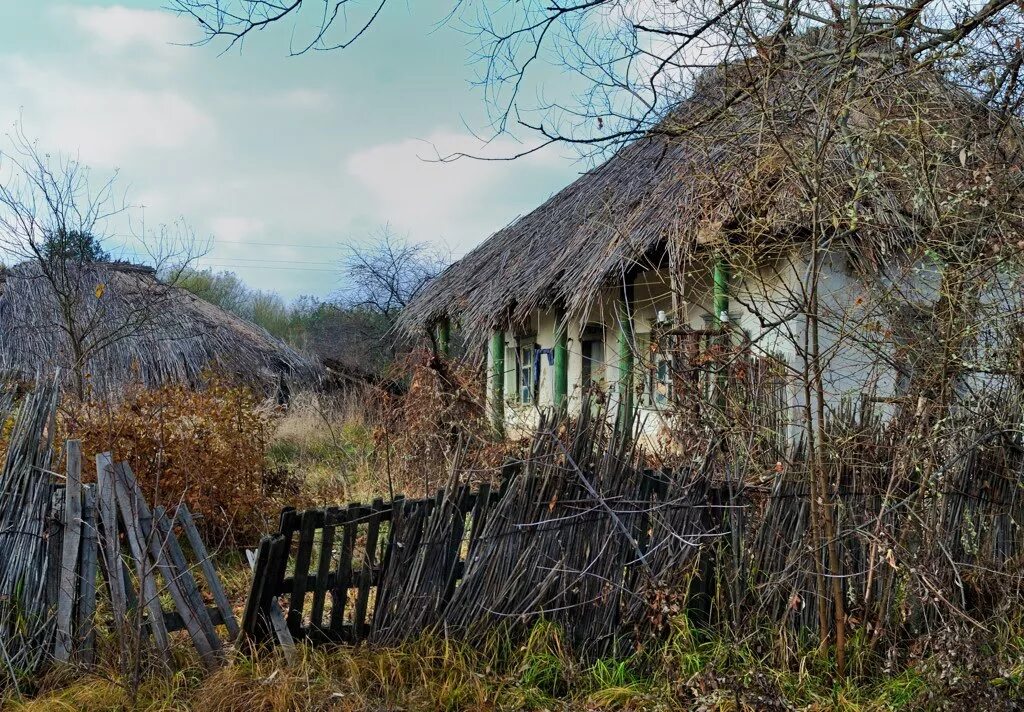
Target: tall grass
{"x": 325, "y": 442}
{"x": 686, "y": 670}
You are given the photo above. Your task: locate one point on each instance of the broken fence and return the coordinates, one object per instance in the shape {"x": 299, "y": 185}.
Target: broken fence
{"x": 108, "y": 530}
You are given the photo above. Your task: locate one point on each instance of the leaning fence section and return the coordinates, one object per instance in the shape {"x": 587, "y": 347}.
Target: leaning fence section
{"x": 79, "y": 556}
{"x": 104, "y": 539}
{"x": 580, "y": 534}
{"x": 336, "y": 567}
{"x": 543, "y": 542}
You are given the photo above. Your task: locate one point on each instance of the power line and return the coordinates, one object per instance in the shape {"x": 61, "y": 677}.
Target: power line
{"x": 271, "y": 267}
{"x": 278, "y": 244}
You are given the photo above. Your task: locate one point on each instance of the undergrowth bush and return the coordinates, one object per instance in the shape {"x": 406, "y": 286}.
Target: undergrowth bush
{"x": 206, "y": 448}
{"x": 440, "y": 419}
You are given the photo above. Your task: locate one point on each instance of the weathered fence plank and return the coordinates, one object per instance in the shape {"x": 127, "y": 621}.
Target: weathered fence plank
{"x": 369, "y": 560}
{"x": 114, "y": 567}
{"x": 184, "y": 517}
{"x": 136, "y": 537}
{"x": 69, "y": 555}
{"x": 323, "y": 570}
{"x": 311, "y": 519}
{"x": 85, "y": 625}
{"x": 179, "y": 578}
{"x": 161, "y": 550}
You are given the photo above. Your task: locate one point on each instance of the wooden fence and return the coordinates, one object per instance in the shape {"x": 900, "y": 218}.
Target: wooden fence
{"x": 338, "y": 570}
{"x": 330, "y": 564}
{"x": 579, "y": 533}
{"x": 108, "y": 528}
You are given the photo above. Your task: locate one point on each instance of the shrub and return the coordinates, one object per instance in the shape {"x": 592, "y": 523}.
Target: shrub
{"x": 206, "y": 448}
{"x": 441, "y": 418}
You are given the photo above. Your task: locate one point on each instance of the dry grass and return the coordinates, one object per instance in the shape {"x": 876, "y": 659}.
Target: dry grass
{"x": 685, "y": 671}
{"x": 325, "y": 442}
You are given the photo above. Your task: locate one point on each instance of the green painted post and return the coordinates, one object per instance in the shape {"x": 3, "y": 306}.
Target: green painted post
{"x": 444, "y": 332}
{"x": 626, "y": 366}
{"x": 721, "y": 293}
{"x": 498, "y": 381}
{"x": 561, "y": 360}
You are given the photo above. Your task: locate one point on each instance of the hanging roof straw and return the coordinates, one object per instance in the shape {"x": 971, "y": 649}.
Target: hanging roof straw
{"x": 138, "y": 330}
{"x": 722, "y": 171}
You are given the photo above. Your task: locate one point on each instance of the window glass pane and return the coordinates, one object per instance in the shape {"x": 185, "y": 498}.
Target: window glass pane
{"x": 509, "y": 376}
{"x": 593, "y": 362}
{"x": 526, "y": 356}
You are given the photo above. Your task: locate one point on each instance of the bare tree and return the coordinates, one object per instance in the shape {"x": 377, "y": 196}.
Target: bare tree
{"x": 322, "y": 25}
{"x": 386, "y": 274}
{"x": 53, "y": 219}
{"x": 636, "y": 60}
{"x": 380, "y": 278}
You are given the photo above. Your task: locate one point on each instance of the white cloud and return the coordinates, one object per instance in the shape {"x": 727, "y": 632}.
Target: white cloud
{"x": 234, "y": 228}
{"x": 412, "y": 191}
{"x": 107, "y": 123}
{"x": 114, "y": 29}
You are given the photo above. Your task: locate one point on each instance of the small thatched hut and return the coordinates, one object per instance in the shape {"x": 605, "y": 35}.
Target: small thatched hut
{"x": 705, "y": 224}
{"x": 106, "y": 325}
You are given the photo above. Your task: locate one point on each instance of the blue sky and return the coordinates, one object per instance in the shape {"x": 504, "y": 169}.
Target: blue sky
{"x": 278, "y": 159}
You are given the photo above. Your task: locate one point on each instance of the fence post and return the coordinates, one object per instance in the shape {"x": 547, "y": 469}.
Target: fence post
{"x": 72, "y": 520}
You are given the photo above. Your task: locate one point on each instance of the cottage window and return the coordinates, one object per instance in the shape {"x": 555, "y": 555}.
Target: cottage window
{"x": 526, "y": 375}
{"x": 592, "y": 350}
{"x": 656, "y": 370}
{"x": 661, "y": 379}
{"x": 511, "y": 372}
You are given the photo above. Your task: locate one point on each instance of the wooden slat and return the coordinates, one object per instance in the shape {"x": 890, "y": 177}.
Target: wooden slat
{"x": 480, "y": 510}
{"x": 369, "y": 561}
{"x": 54, "y": 534}
{"x": 67, "y": 594}
{"x": 303, "y": 555}
{"x": 253, "y": 616}
{"x": 137, "y": 544}
{"x": 165, "y": 552}
{"x": 112, "y": 563}
{"x": 323, "y": 569}
{"x": 279, "y": 560}
{"x": 339, "y": 594}
{"x": 184, "y": 517}
{"x": 85, "y": 625}
{"x": 455, "y": 542}
{"x": 266, "y": 610}
{"x": 178, "y": 567}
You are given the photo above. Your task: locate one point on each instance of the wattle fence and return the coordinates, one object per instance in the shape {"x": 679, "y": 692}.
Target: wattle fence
{"x": 579, "y": 533}
{"x": 466, "y": 559}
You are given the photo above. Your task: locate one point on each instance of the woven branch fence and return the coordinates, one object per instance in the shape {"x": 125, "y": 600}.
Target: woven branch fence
{"x": 581, "y": 534}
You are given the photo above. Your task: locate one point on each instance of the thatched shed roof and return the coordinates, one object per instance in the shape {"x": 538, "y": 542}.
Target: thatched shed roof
{"x": 722, "y": 170}
{"x": 132, "y": 328}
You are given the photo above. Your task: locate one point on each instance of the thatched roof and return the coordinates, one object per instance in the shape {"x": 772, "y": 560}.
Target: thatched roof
{"x": 135, "y": 329}
{"x": 718, "y": 171}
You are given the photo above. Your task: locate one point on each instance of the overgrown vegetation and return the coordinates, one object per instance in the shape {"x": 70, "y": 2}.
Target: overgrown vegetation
{"x": 206, "y": 448}
{"x": 352, "y": 330}
{"x": 685, "y": 670}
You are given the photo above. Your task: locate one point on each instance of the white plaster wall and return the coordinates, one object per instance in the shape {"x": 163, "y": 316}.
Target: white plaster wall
{"x": 765, "y": 303}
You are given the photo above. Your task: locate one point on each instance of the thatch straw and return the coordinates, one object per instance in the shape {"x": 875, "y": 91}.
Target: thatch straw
{"x": 722, "y": 169}
{"x": 138, "y": 330}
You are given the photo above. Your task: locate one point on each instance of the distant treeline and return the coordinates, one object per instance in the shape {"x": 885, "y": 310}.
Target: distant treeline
{"x": 350, "y": 335}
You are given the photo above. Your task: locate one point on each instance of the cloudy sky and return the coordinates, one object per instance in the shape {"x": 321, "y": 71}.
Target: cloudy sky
{"x": 277, "y": 159}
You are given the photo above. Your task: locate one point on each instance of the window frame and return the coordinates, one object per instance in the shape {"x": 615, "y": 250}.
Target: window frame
{"x": 526, "y": 344}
